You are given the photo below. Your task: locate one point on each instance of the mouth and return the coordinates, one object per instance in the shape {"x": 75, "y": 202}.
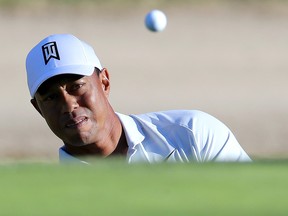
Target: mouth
{"x": 76, "y": 122}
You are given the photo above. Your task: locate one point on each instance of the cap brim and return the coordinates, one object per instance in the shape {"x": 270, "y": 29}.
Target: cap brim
{"x": 85, "y": 70}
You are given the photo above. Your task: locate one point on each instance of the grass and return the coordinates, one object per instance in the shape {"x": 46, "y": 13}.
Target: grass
{"x": 115, "y": 188}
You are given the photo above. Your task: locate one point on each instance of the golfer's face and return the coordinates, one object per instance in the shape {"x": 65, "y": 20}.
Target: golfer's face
{"x": 74, "y": 107}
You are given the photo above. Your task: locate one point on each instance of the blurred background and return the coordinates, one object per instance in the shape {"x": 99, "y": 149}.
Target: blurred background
{"x": 227, "y": 58}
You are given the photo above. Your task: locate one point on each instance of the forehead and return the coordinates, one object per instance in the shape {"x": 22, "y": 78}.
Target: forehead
{"x": 58, "y": 80}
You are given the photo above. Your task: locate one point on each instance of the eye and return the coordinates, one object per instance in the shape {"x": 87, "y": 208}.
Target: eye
{"x": 50, "y": 97}
{"x": 76, "y": 87}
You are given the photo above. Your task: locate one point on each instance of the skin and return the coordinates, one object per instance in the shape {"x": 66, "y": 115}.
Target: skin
{"x": 77, "y": 110}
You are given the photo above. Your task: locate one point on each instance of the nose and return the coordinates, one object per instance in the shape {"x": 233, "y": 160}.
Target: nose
{"x": 69, "y": 103}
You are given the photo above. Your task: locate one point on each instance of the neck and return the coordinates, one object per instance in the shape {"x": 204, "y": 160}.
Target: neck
{"x": 122, "y": 146}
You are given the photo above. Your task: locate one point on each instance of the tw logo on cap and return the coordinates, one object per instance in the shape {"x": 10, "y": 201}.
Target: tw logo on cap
{"x": 50, "y": 50}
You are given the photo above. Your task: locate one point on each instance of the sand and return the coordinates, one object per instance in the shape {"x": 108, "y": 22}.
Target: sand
{"x": 229, "y": 61}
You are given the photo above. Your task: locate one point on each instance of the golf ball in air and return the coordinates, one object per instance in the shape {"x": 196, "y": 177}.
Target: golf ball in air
{"x": 156, "y": 21}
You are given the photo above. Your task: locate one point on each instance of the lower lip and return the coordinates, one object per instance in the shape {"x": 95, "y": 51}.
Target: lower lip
{"x": 79, "y": 124}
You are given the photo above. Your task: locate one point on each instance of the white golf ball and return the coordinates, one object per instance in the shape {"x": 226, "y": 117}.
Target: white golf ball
{"x": 156, "y": 21}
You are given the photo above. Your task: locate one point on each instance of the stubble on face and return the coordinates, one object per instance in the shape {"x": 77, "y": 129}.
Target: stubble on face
{"x": 85, "y": 123}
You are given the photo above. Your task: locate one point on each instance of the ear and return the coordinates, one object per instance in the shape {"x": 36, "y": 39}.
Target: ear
{"x": 35, "y": 104}
{"x": 105, "y": 82}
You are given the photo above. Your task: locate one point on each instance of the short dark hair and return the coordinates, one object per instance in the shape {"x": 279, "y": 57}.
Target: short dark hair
{"x": 97, "y": 70}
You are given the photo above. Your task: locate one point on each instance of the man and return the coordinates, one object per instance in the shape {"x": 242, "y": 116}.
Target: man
{"x": 70, "y": 89}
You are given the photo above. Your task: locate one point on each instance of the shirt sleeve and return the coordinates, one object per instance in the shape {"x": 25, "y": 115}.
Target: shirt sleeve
{"x": 215, "y": 141}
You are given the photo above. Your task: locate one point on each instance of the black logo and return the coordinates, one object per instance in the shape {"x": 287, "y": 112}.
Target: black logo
{"x": 50, "y": 51}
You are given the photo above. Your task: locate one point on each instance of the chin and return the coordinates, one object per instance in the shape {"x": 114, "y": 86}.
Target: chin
{"x": 78, "y": 138}
{"x": 78, "y": 141}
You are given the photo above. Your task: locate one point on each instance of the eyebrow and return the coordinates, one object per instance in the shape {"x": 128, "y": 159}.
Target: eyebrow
{"x": 63, "y": 78}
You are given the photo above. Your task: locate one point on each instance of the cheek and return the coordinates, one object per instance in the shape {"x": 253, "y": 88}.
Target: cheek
{"x": 51, "y": 120}
{"x": 92, "y": 98}
{"x": 95, "y": 101}
{"x": 87, "y": 100}
{"x": 51, "y": 115}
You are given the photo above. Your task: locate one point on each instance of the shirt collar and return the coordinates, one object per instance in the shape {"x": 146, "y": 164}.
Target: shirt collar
{"x": 65, "y": 157}
{"x": 133, "y": 131}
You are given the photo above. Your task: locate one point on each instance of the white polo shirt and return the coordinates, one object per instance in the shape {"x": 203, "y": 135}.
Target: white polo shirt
{"x": 176, "y": 136}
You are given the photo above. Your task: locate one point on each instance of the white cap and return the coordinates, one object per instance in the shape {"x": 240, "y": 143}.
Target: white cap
{"x": 59, "y": 54}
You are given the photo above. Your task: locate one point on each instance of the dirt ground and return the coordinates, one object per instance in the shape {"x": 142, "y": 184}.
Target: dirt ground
{"x": 229, "y": 61}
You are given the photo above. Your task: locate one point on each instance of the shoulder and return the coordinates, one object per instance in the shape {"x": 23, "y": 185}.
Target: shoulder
{"x": 191, "y": 119}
